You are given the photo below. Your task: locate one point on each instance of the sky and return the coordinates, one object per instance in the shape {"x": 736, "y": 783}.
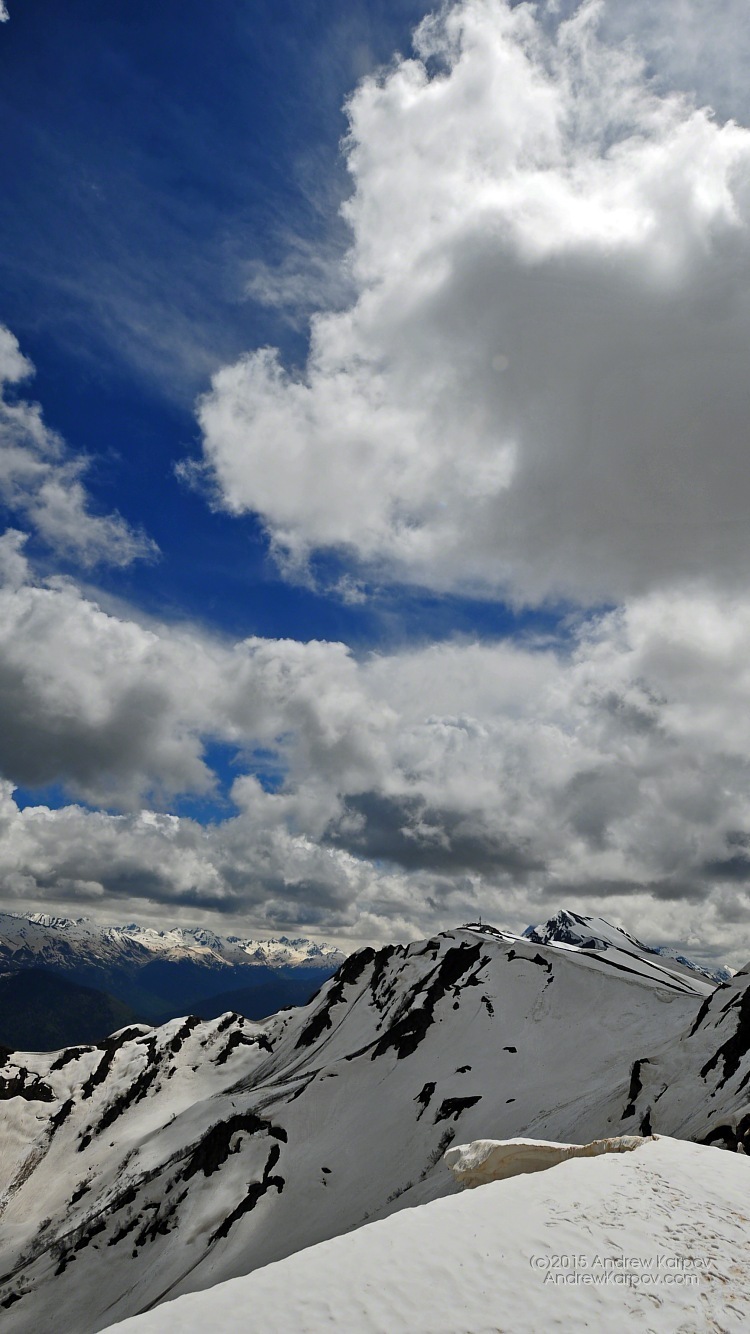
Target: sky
{"x": 373, "y": 465}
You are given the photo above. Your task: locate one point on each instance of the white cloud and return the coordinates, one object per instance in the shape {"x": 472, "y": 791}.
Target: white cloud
{"x": 701, "y": 46}
{"x": 306, "y": 277}
{"x": 41, "y": 480}
{"x": 415, "y": 788}
{"x": 541, "y": 386}
{"x": 4, "y": 15}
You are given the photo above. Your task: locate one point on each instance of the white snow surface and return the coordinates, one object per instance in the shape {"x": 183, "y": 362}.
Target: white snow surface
{"x": 654, "y": 1241}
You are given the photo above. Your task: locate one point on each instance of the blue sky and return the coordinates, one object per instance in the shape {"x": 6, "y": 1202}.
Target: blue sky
{"x": 149, "y": 168}
{"x": 376, "y": 549}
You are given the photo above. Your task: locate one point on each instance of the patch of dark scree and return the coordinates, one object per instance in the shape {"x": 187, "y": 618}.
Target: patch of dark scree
{"x": 733, "y": 1138}
{"x": 110, "y": 1047}
{"x": 239, "y": 1039}
{"x": 635, "y": 1086}
{"x": 546, "y": 964}
{"x": 734, "y": 1048}
{"x": 214, "y": 1148}
{"x": 423, "y": 1098}
{"x": 408, "y": 1030}
{"x": 61, "y": 1115}
{"x": 129, "y": 1096}
{"x": 22, "y": 1085}
{"x": 349, "y": 972}
{"x": 453, "y": 1107}
{"x": 182, "y": 1033}
{"x": 67, "y": 1055}
{"x": 703, "y": 1011}
{"x": 256, "y": 1191}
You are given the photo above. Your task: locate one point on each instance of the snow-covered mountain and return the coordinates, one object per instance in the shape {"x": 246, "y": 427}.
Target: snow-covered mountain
{"x": 595, "y": 933}
{"x": 167, "y": 1160}
{"x": 163, "y": 973}
{"x": 648, "y": 1240}
{"x": 63, "y": 941}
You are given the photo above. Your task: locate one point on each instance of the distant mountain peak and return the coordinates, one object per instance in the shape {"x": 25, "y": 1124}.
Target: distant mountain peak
{"x": 596, "y": 933}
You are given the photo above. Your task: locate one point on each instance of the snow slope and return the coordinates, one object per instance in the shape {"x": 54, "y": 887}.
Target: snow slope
{"x": 653, "y": 1240}
{"x": 698, "y": 1087}
{"x": 167, "y": 1160}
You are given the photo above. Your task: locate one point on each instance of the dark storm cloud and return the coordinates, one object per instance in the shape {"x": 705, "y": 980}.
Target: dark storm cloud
{"x": 418, "y": 836}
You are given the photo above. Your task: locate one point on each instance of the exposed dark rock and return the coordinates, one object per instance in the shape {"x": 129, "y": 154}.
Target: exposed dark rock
{"x": 424, "y": 1098}
{"x": 88, "y": 1236}
{"x": 124, "y": 1231}
{"x": 731, "y": 1137}
{"x": 737, "y": 1046}
{"x": 183, "y": 1032}
{"x": 546, "y": 964}
{"x": 21, "y": 1085}
{"x": 162, "y": 1221}
{"x": 135, "y": 1091}
{"x": 407, "y": 1031}
{"x": 703, "y": 1011}
{"x": 349, "y": 973}
{"x": 256, "y": 1191}
{"x": 635, "y": 1086}
{"x": 240, "y": 1039}
{"x": 67, "y": 1055}
{"x": 110, "y": 1047}
{"x": 214, "y": 1149}
{"x": 453, "y": 1107}
{"x": 61, "y": 1115}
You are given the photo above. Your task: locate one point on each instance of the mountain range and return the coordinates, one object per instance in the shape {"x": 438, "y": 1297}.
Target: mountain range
{"x": 143, "y": 975}
{"x": 163, "y": 1161}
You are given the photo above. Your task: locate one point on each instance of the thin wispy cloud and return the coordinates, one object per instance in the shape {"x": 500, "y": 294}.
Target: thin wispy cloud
{"x": 42, "y": 481}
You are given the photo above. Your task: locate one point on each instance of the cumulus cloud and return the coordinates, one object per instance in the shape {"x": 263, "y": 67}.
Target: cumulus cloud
{"x": 41, "y": 481}
{"x": 117, "y": 709}
{"x": 540, "y": 387}
{"x": 413, "y": 788}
